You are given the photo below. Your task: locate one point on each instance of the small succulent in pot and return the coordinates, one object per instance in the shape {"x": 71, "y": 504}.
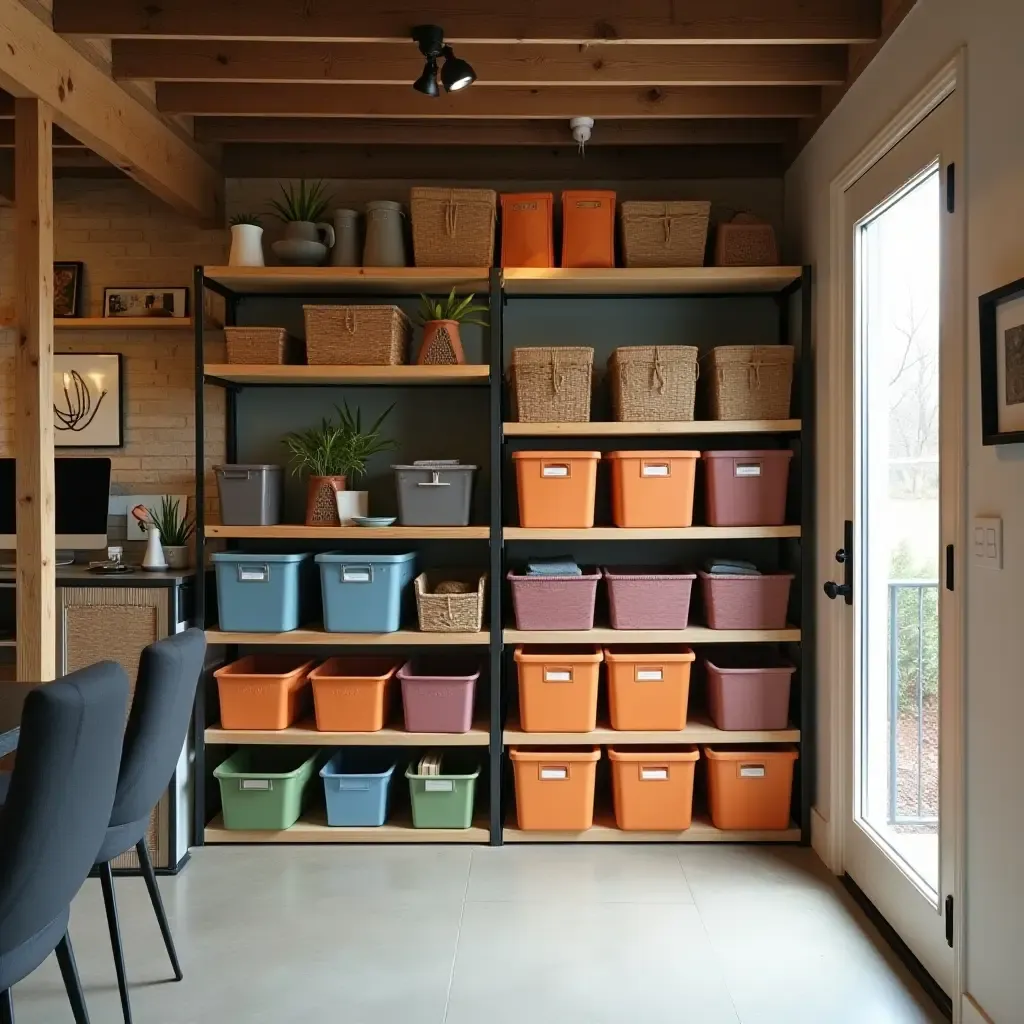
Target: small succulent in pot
{"x": 246, "y": 241}
{"x": 175, "y": 527}
{"x": 307, "y": 237}
{"x": 442, "y": 339}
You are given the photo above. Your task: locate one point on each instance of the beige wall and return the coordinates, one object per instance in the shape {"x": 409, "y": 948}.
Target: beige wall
{"x": 994, "y": 177}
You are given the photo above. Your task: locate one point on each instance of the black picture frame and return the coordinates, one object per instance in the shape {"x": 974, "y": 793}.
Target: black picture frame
{"x": 67, "y": 289}
{"x": 135, "y": 295}
{"x": 63, "y": 435}
{"x": 993, "y": 377}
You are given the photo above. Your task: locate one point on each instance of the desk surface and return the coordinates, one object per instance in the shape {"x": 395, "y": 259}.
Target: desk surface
{"x": 79, "y": 575}
{"x": 12, "y": 696}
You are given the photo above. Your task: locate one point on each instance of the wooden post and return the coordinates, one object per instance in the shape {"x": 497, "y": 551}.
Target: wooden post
{"x": 33, "y": 392}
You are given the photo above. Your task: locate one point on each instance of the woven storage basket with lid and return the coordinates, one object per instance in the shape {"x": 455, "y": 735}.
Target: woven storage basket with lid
{"x": 672, "y": 234}
{"x": 453, "y": 227}
{"x": 450, "y": 601}
{"x": 745, "y": 241}
{"x": 654, "y": 382}
{"x": 552, "y": 385}
{"x": 260, "y": 346}
{"x": 357, "y": 335}
{"x": 750, "y": 382}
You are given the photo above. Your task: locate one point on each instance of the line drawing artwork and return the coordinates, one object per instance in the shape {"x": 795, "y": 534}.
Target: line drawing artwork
{"x": 80, "y": 406}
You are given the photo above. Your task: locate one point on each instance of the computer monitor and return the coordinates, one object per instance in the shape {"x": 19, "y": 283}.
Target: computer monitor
{"x": 82, "y": 503}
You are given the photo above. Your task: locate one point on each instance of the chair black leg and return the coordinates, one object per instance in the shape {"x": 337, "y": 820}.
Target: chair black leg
{"x": 6, "y": 1007}
{"x": 158, "y": 905}
{"x": 107, "y": 882}
{"x": 73, "y": 984}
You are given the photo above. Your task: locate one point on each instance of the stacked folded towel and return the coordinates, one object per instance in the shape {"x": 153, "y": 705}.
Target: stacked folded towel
{"x": 561, "y": 565}
{"x": 731, "y": 567}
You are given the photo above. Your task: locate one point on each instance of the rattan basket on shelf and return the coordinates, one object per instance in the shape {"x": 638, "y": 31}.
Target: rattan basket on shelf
{"x": 745, "y": 241}
{"x": 453, "y": 227}
{"x": 652, "y": 383}
{"x": 260, "y": 346}
{"x": 750, "y": 382}
{"x": 357, "y": 335}
{"x": 451, "y": 601}
{"x": 672, "y": 234}
{"x": 551, "y": 384}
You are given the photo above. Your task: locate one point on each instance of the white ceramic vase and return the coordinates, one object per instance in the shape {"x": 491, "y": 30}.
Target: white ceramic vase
{"x": 154, "y": 559}
{"x": 352, "y": 504}
{"x": 246, "y": 246}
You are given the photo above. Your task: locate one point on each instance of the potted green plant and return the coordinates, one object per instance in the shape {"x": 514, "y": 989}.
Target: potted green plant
{"x": 442, "y": 339}
{"x": 173, "y": 529}
{"x": 334, "y": 455}
{"x": 246, "y": 241}
{"x": 307, "y": 237}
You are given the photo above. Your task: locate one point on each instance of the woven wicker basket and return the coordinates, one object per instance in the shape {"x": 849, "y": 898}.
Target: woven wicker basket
{"x": 451, "y": 609}
{"x": 654, "y": 383}
{"x": 751, "y": 382}
{"x": 551, "y": 385}
{"x": 453, "y": 227}
{"x": 745, "y": 243}
{"x": 670, "y": 234}
{"x": 357, "y": 335}
{"x": 259, "y": 346}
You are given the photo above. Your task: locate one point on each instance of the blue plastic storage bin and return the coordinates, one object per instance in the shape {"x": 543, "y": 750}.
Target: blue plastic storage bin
{"x": 365, "y": 593}
{"x": 357, "y": 785}
{"x": 262, "y": 593}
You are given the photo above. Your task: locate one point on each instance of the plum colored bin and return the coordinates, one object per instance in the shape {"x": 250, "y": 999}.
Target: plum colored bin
{"x": 749, "y": 693}
{"x": 648, "y": 598}
{"x": 746, "y": 602}
{"x": 746, "y": 488}
{"x": 554, "y": 602}
{"x": 437, "y": 695}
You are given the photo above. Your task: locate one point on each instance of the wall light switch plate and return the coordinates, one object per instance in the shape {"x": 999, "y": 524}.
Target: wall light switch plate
{"x": 987, "y": 542}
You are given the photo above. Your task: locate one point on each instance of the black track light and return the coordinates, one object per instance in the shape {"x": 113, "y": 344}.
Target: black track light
{"x": 427, "y": 82}
{"x": 456, "y": 73}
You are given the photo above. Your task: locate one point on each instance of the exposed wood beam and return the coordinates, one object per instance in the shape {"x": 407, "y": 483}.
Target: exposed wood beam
{"x": 203, "y": 60}
{"x": 441, "y": 132}
{"x": 35, "y": 62}
{"x": 36, "y": 591}
{"x": 290, "y": 100}
{"x": 566, "y": 21}
{"x": 61, "y": 139}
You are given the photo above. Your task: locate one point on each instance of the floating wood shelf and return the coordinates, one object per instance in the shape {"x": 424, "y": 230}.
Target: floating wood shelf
{"x": 348, "y": 280}
{"x": 306, "y": 734}
{"x": 313, "y": 828}
{"x": 321, "y": 638}
{"x": 656, "y": 281}
{"x": 680, "y": 533}
{"x": 680, "y": 429}
{"x": 122, "y": 323}
{"x": 234, "y": 373}
{"x": 289, "y": 532}
{"x": 605, "y": 831}
{"x": 698, "y": 730}
{"x": 691, "y": 635}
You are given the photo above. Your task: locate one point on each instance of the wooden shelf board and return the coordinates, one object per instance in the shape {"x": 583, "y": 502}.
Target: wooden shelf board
{"x": 306, "y": 734}
{"x": 691, "y": 635}
{"x": 655, "y": 281}
{"x": 689, "y": 427}
{"x": 350, "y": 280}
{"x": 318, "y": 637}
{"x": 313, "y": 828}
{"x": 124, "y": 323}
{"x": 605, "y": 831}
{"x": 297, "y": 532}
{"x": 698, "y": 730}
{"x": 235, "y": 373}
{"x": 681, "y": 533}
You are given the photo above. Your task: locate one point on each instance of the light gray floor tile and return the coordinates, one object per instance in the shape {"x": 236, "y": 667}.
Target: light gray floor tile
{"x": 735, "y": 868}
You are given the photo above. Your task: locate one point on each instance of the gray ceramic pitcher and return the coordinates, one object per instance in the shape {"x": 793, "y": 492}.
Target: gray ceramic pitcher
{"x": 385, "y": 235}
{"x": 346, "y": 244}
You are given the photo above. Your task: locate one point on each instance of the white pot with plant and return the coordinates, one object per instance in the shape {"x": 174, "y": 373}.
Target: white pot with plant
{"x": 335, "y": 455}
{"x": 441, "y": 320}
{"x": 307, "y": 237}
{"x": 246, "y": 241}
{"x": 169, "y": 529}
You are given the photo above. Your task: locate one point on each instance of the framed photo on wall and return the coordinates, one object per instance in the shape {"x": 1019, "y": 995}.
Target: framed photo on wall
{"x": 1002, "y": 365}
{"x": 88, "y": 400}
{"x": 145, "y": 302}
{"x": 67, "y": 290}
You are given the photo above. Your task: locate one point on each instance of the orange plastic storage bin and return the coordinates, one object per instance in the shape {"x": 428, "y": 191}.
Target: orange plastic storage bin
{"x": 352, "y": 694}
{"x": 751, "y": 789}
{"x": 558, "y": 688}
{"x": 262, "y": 691}
{"x": 649, "y": 689}
{"x": 653, "y": 789}
{"x": 555, "y": 788}
{"x": 588, "y": 229}
{"x": 653, "y": 489}
{"x": 527, "y": 235}
{"x": 556, "y": 490}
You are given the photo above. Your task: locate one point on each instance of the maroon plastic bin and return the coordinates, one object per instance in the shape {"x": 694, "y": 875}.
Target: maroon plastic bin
{"x": 746, "y": 488}
{"x": 648, "y": 598}
{"x": 554, "y": 602}
{"x": 746, "y": 602}
{"x": 437, "y": 695}
{"x": 745, "y": 692}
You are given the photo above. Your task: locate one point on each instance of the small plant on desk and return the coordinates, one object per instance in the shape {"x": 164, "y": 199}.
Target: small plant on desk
{"x": 175, "y": 529}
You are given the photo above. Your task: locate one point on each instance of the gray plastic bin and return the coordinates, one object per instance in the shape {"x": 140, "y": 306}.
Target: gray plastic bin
{"x": 365, "y": 593}
{"x": 434, "y": 493}
{"x": 250, "y": 495}
{"x": 259, "y": 593}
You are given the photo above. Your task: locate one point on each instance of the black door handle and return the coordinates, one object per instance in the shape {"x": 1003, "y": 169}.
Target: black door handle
{"x": 844, "y": 556}
{"x": 834, "y": 590}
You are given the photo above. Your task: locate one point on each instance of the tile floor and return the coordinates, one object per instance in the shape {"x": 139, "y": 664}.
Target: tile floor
{"x": 450, "y": 935}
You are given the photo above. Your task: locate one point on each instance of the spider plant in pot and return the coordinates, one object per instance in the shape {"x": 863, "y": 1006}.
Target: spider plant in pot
{"x": 169, "y": 526}
{"x": 441, "y": 318}
{"x": 307, "y": 237}
{"x": 246, "y": 241}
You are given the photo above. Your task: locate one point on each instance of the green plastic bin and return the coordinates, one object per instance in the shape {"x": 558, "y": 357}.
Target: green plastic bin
{"x": 442, "y": 801}
{"x": 266, "y": 788}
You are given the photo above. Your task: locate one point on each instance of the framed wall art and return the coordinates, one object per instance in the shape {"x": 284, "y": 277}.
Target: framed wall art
{"x": 145, "y": 302}
{"x": 67, "y": 289}
{"x": 88, "y": 406}
{"x": 1002, "y": 364}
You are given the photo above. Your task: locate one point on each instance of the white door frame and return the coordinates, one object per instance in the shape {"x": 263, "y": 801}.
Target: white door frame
{"x": 949, "y": 83}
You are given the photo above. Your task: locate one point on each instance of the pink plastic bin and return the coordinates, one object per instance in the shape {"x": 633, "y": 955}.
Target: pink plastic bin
{"x": 648, "y": 598}
{"x": 747, "y": 692}
{"x": 437, "y": 695}
{"x": 746, "y": 602}
{"x": 746, "y": 488}
{"x": 554, "y": 602}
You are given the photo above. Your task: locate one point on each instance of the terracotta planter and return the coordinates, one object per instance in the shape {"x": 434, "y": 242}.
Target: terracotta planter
{"x": 442, "y": 344}
{"x": 321, "y": 503}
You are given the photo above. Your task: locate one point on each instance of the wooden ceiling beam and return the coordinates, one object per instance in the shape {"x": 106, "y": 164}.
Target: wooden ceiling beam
{"x": 61, "y": 139}
{"x": 556, "y": 21}
{"x": 562, "y": 102}
{"x": 205, "y": 60}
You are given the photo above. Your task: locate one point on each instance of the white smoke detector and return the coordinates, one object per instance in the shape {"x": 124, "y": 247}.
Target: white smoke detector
{"x": 581, "y": 128}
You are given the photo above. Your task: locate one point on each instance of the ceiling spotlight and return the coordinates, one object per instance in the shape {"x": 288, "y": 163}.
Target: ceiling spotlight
{"x": 456, "y": 73}
{"x": 427, "y": 82}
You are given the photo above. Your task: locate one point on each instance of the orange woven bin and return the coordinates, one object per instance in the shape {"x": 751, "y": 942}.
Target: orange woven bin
{"x": 555, "y": 789}
{"x": 751, "y": 789}
{"x": 527, "y": 236}
{"x": 558, "y": 688}
{"x": 588, "y": 229}
{"x": 556, "y": 490}
{"x": 649, "y": 689}
{"x": 262, "y": 691}
{"x": 653, "y": 489}
{"x": 353, "y": 694}
{"x": 653, "y": 789}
